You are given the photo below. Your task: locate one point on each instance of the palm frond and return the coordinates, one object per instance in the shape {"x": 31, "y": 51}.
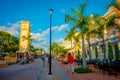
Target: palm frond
{"x": 82, "y": 7}
{"x": 79, "y": 36}
{"x": 114, "y": 4}
{"x": 110, "y": 20}
{"x": 69, "y": 18}
{"x": 76, "y": 11}
{"x": 70, "y": 34}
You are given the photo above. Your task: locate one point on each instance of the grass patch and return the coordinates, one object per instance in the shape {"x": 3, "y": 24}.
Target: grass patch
{"x": 58, "y": 59}
{"x": 11, "y": 63}
{"x": 82, "y": 70}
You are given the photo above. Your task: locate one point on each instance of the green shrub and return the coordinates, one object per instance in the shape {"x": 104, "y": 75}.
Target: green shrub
{"x": 82, "y": 70}
{"x": 58, "y": 59}
{"x": 11, "y": 63}
{"x": 1, "y": 58}
{"x": 110, "y": 52}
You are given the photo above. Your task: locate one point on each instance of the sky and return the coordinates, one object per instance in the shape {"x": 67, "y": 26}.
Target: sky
{"x": 12, "y": 12}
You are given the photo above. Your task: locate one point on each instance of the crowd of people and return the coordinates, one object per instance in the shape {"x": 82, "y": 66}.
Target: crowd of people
{"x": 45, "y": 58}
{"x": 24, "y": 58}
{"x": 70, "y": 69}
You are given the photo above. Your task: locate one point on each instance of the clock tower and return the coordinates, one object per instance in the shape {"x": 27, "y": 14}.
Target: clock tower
{"x": 24, "y": 36}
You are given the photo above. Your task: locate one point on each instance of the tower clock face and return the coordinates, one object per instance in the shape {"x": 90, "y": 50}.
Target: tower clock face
{"x": 24, "y": 26}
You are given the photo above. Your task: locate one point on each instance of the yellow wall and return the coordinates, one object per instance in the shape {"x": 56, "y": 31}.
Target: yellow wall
{"x": 75, "y": 46}
{"x": 24, "y": 31}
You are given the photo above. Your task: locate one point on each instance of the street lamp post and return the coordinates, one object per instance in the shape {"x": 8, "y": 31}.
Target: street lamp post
{"x": 51, "y": 10}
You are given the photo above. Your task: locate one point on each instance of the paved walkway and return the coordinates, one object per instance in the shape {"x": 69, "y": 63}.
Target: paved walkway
{"x": 57, "y": 73}
{"x": 20, "y": 72}
{"x": 87, "y": 76}
{"x": 35, "y": 71}
{"x": 32, "y": 71}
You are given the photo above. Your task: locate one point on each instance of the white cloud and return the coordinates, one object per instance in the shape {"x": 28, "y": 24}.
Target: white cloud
{"x": 62, "y": 27}
{"x": 9, "y": 23}
{"x": 11, "y": 28}
{"x": 3, "y": 28}
{"x": 36, "y": 45}
{"x": 40, "y": 37}
{"x": 60, "y": 41}
{"x": 37, "y": 37}
{"x": 55, "y": 28}
{"x": 46, "y": 44}
{"x": 45, "y": 32}
{"x": 14, "y": 33}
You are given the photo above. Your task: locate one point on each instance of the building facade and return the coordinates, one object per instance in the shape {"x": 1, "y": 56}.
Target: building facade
{"x": 24, "y": 36}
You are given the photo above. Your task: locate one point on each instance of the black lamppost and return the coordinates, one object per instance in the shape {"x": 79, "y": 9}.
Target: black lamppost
{"x": 51, "y": 10}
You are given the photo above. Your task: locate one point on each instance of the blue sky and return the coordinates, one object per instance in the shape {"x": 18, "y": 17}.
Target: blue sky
{"x": 12, "y": 12}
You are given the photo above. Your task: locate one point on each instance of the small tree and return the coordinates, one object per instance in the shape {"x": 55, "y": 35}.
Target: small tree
{"x": 117, "y": 55}
{"x": 78, "y": 53}
{"x": 96, "y": 53}
{"x": 110, "y": 52}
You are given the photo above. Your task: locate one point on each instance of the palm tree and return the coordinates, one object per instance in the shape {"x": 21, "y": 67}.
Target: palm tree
{"x": 29, "y": 38}
{"x": 115, "y": 4}
{"x": 116, "y": 10}
{"x": 77, "y": 41}
{"x": 89, "y": 44}
{"x": 91, "y": 33}
{"x": 79, "y": 21}
{"x": 91, "y": 27}
{"x": 54, "y": 47}
{"x": 103, "y": 23}
{"x": 70, "y": 35}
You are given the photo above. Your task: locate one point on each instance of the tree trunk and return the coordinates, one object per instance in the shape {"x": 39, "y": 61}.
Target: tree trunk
{"x": 71, "y": 44}
{"x": 83, "y": 54}
{"x": 89, "y": 50}
{"x": 104, "y": 49}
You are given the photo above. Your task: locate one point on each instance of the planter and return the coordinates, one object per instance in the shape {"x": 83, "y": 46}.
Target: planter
{"x": 82, "y": 70}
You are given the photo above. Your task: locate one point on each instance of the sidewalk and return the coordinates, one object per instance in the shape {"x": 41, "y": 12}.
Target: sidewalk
{"x": 87, "y": 76}
{"x": 35, "y": 71}
{"x": 57, "y": 73}
{"x": 32, "y": 71}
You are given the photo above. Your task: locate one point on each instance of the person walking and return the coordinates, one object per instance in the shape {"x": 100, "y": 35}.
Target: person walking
{"x": 70, "y": 63}
{"x": 49, "y": 58}
{"x": 43, "y": 60}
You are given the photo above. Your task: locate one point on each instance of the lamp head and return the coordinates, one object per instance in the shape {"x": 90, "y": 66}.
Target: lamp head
{"x": 51, "y": 10}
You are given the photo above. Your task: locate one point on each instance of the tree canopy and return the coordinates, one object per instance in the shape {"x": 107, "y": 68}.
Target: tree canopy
{"x": 8, "y": 43}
